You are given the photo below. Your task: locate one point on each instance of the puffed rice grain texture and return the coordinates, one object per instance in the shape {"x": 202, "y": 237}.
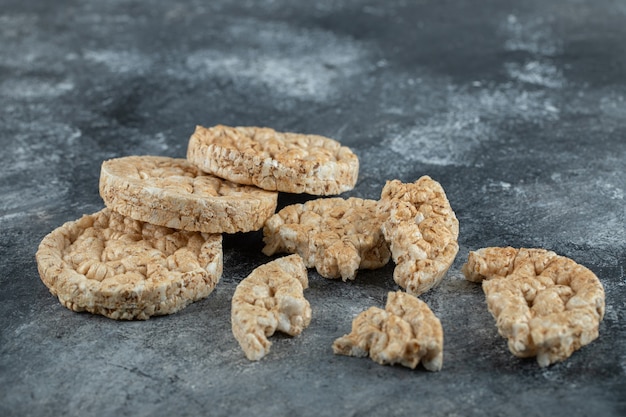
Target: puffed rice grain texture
{"x": 275, "y": 161}
{"x": 109, "y": 264}
{"x": 406, "y": 332}
{"x": 544, "y": 304}
{"x": 173, "y": 193}
{"x": 270, "y": 298}
{"x": 422, "y": 231}
{"x": 336, "y": 236}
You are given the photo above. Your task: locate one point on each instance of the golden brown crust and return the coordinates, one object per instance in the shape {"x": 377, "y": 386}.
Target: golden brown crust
{"x": 269, "y": 299}
{"x": 275, "y": 161}
{"x": 336, "y": 236}
{"x": 546, "y": 305}
{"x": 405, "y": 332}
{"x": 172, "y": 192}
{"x": 422, "y": 231}
{"x": 108, "y": 264}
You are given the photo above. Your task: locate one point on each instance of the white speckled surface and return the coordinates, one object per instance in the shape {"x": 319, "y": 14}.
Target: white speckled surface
{"x": 517, "y": 108}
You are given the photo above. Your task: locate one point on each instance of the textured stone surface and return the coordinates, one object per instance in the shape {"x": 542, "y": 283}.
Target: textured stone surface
{"x": 517, "y": 108}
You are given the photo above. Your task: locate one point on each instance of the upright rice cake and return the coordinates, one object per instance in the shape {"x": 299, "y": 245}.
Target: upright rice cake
{"x": 422, "y": 231}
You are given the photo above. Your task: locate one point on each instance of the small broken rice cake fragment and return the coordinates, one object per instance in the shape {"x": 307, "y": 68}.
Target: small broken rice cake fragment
{"x": 172, "y": 192}
{"x": 546, "y": 305}
{"x": 109, "y": 264}
{"x": 269, "y": 299}
{"x": 336, "y": 236}
{"x": 275, "y": 161}
{"x": 406, "y": 332}
{"x": 422, "y": 230}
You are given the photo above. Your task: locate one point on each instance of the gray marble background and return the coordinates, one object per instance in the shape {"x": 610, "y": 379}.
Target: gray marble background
{"x": 517, "y": 108}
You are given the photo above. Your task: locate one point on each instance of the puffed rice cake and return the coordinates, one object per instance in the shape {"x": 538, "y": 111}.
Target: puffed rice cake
{"x": 406, "y": 332}
{"x": 270, "y": 298}
{"x": 544, "y": 304}
{"x": 109, "y": 264}
{"x": 422, "y": 231}
{"x": 172, "y": 192}
{"x": 275, "y": 161}
{"x": 336, "y": 236}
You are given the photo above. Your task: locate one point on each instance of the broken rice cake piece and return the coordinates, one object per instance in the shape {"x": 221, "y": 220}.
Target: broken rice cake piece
{"x": 544, "y": 304}
{"x": 406, "y": 332}
{"x": 422, "y": 231}
{"x": 269, "y": 299}
{"x": 336, "y": 236}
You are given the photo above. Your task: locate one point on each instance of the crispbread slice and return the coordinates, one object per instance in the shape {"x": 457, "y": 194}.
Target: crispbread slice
{"x": 108, "y": 264}
{"x": 172, "y": 192}
{"x": 275, "y": 161}
{"x": 546, "y": 305}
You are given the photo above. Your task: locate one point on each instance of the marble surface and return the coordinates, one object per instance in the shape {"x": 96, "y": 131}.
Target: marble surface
{"x": 517, "y": 108}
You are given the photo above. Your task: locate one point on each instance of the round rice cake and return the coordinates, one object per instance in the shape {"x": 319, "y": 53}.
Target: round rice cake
{"x": 109, "y": 264}
{"x": 544, "y": 304}
{"x": 171, "y": 192}
{"x": 275, "y": 161}
{"x": 336, "y": 236}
